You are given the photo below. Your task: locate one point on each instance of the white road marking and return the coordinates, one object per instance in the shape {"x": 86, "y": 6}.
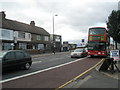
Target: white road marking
{"x": 17, "y": 77}
{"x": 37, "y": 62}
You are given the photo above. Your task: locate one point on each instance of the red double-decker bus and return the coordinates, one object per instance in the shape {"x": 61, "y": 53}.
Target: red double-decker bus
{"x": 98, "y": 41}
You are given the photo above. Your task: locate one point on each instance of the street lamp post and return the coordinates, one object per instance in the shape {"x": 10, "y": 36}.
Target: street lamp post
{"x": 53, "y": 33}
{"x": 53, "y": 22}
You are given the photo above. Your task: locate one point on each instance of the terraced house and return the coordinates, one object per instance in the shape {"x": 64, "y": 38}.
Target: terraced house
{"x": 18, "y": 35}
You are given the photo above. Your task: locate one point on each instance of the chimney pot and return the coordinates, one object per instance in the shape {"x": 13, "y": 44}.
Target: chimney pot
{"x": 32, "y": 23}
{"x": 3, "y": 14}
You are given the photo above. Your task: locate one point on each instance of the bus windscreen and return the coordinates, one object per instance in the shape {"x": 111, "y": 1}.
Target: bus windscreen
{"x": 96, "y": 46}
{"x": 96, "y": 31}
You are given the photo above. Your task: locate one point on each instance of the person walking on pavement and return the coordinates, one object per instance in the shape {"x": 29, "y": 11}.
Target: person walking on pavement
{"x": 53, "y": 50}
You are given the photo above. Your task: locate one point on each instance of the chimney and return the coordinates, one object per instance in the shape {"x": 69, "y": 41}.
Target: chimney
{"x": 2, "y": 14}
{"x": 32, "y": 23}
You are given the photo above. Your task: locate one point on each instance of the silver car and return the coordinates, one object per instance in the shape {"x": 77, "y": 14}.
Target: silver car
{"x": 80, "y": 52}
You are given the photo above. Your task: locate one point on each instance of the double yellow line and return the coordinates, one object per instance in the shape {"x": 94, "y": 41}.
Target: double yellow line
{"x": 79, "y": 75}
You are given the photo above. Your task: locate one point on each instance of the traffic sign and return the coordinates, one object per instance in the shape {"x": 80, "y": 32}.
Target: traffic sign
{"x": 115, "y": 54}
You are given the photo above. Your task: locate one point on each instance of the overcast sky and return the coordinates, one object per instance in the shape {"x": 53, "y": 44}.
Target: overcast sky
{"x": 74, "y": 16}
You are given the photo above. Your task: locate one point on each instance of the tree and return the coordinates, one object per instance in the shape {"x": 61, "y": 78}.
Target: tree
{"x": 113, "y": 25}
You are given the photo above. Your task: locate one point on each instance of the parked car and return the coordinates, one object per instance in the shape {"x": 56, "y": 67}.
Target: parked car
{"x": 15, "y": 58}
{"x": 80, "y": 52}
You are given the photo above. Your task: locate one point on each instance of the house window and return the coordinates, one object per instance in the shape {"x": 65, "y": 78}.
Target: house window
{"x": 57, "y": 39}
{"x": 22, "y": 45}
{"x": 38, "y": 37}
{"x": 6, "y": 34}
{"x": 46, "y": 38}
{"x": 7, "y": 46}
{"x": 21, "y": 35}
{"x": 40, "y": 46}
{"x": 29, "y": 36}
{"x": 29, "y": 46}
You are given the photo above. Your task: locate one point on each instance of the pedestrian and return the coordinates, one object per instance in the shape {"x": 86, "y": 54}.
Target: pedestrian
{"x": 53, "y": 50}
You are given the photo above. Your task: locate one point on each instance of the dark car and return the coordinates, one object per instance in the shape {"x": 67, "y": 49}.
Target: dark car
{"x": 15, "y": 58}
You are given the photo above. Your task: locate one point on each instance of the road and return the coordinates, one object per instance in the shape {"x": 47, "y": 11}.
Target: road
{"x": 41, "y": 75}
{"x": 41, "y": 62}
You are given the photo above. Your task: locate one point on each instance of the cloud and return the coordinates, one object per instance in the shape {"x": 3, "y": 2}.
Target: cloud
{"x": 74, "y": 16}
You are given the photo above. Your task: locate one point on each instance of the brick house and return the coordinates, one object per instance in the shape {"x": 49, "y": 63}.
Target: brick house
{"x": 18, "y": 35}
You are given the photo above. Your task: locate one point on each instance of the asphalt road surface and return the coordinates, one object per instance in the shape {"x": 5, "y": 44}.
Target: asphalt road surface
{"x": 49, "y": 71}
{"x": 41, "y": 62}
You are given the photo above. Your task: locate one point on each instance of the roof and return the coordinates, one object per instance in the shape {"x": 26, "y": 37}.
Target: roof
{"x": 97, "y": 27}
{"x": 19, "y": 26}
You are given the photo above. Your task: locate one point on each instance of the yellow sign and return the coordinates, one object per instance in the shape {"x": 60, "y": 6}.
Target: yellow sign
{"x": 96, "y": 38}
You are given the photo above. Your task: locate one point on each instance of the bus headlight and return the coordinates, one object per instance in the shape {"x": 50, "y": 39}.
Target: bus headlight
{"x": 99, "y": 52}
{"x": 103, "y": 53}
{"x": 88, "y": 52}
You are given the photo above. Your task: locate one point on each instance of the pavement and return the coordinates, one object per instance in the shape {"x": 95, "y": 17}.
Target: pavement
{"x": 45, "y": 54}
{"x": 98, "y": 80}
